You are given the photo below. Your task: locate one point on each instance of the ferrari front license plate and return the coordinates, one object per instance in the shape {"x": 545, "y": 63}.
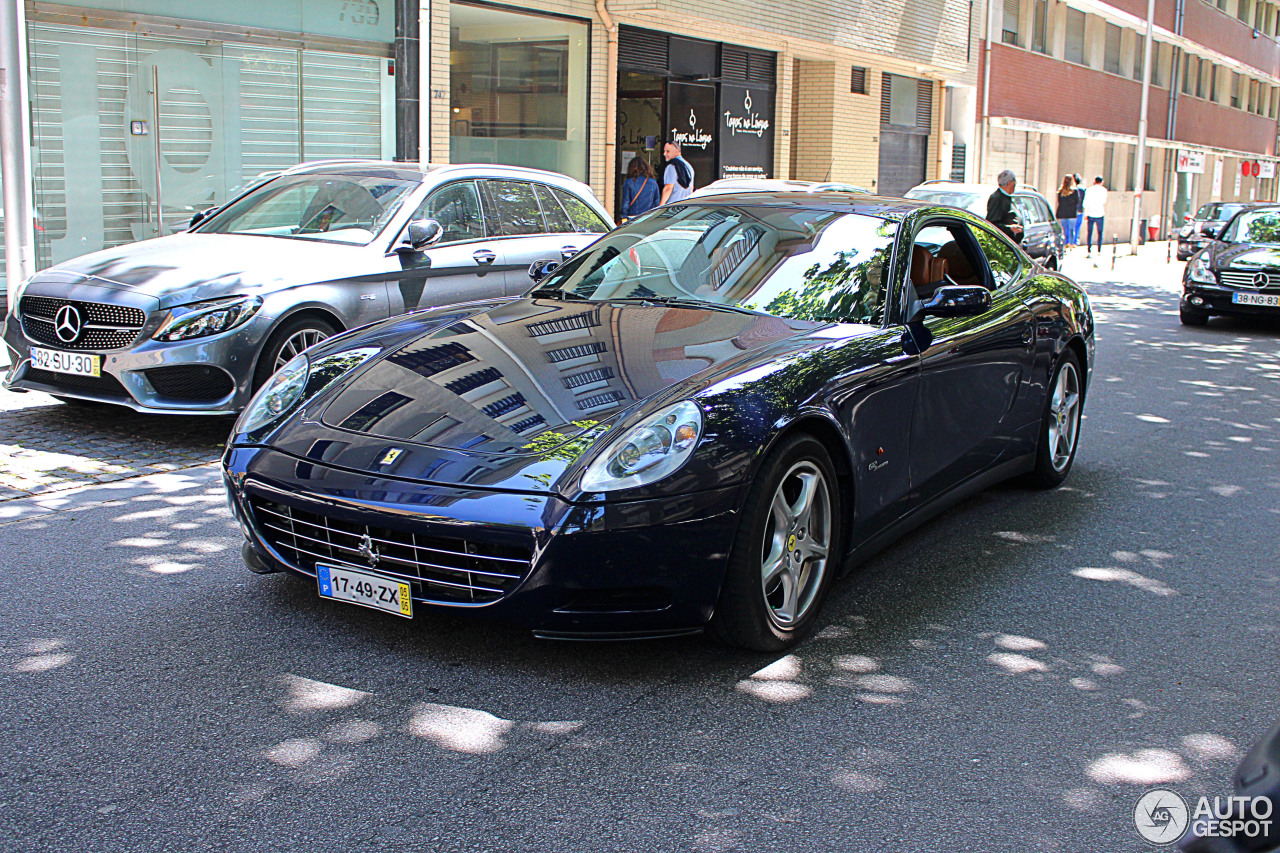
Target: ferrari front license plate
{"x": 364, "y": 588}
{"x": 74, "y": 363}
{"x": 1265, "y": 299}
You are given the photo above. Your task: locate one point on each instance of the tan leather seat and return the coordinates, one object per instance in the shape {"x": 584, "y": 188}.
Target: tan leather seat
{"x": 926, "y": 270}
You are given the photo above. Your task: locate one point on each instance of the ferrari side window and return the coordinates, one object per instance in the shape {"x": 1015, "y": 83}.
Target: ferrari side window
{"x": 1004, "y": 261}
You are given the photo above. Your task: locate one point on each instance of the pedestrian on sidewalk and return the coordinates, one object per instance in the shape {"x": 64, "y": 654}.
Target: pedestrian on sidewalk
{"x": 1095, "y": 210}
{"x": 1068, "y": 208}
{"x": 677, "y": 176}
{"x": 640, "y": 191}
{"x": 1079, "y": 205}
{"x": 1000, "y": 212}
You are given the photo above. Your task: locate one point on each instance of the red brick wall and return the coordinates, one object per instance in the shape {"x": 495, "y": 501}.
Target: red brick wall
{"x": 1212, "y": 27}
{"x": 1035, "y": 87}
{"x": 1166, "y": 10}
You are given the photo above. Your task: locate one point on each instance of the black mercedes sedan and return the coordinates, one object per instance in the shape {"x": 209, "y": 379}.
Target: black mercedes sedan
{"x": 696, "y": 422}
{"x": 1238, "y": 273}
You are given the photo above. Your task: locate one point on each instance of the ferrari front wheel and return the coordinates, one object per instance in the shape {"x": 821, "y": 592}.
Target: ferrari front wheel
{"x": 786, "y": 550}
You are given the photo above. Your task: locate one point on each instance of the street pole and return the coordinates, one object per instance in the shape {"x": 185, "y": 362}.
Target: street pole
{"x": 1139, "y": 180}
{"x": 983, "y": 151}
{"x": 15, "y": 149}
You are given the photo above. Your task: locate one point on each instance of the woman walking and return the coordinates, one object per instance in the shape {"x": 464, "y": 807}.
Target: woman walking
{"x": 640, "y": 190}
{"x": 1068, "y": 210}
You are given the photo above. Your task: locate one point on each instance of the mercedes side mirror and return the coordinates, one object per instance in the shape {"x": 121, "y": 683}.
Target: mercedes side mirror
{"x": 956, "y": 300}
{"x": 540, "y": 269}
{"x": 420, "y": 234}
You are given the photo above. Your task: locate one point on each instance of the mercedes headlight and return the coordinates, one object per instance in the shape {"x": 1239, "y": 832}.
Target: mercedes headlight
{"x": 653, "y": 449}
{"x": 207, "y": 318}
{"x": 1184, "y": 231}
{"x": 275, "y": 398}
{"x": 1200, "y": 271}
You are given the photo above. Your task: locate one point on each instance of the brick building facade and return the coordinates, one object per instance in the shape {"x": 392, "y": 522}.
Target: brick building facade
{"x": 1065, "y": 90}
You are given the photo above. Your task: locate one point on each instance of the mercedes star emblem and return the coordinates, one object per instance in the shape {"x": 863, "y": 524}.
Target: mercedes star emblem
{"x": 67, "y": 324}
{"x": 1260, "y": 279}
{"x": 368, "y": 550}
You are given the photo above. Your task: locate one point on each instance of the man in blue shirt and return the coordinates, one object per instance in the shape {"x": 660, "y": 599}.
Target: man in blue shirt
{"x": 677, "y": 176}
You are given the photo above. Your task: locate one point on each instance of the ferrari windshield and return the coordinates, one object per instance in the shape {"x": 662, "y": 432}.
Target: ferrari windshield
{"x": 336, "y": 208}
{"x": 794, "y": 262}
{"x": 1260, "y": 226}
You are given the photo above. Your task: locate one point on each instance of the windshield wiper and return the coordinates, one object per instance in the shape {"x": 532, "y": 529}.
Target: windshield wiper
{"x": 682, "y": 302}
{"x": 557, "y": 293}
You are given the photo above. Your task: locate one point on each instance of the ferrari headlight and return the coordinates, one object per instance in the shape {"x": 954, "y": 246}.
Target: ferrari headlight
{"x": 207, "y": 318}
{"x": 275, "y": 398}
{"x": 1200, "y": 269}
{"x": 299, "y": 380}
{"x": 653, "y": 449}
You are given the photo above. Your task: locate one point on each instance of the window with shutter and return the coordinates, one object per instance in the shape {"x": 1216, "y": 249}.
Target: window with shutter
{"x": 1111, "y": 54}
{"x": 1010, "y": 31}
{"x": 858, "y": 81}
{"x": 1075, "y": 36}
{"x": 886, "y": 98}
{"x": 924, "y": 104}
{"x": 1138, "y": 57}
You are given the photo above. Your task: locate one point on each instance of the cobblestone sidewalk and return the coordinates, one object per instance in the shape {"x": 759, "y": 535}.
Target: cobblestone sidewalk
{"x": 47, "y": 446}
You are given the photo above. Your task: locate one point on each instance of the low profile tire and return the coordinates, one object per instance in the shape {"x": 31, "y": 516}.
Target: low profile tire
{"x": 1192, "y": 317}
{"x": 1060, "y": 424}
{"x": 286, "y": 342}
{"x": 786, "y": 551}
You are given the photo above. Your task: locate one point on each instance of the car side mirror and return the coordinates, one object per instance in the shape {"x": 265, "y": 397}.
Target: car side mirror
{"x": 420, "y": 234}
{"x": 1210, "y": 230}
{"x": 201, "y": 216}
{"x": 956, "y": 300}
{"x": 540, "y": 269}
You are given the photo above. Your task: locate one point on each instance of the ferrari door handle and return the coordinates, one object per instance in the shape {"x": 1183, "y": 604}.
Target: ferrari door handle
{"x": 484, "y": 257}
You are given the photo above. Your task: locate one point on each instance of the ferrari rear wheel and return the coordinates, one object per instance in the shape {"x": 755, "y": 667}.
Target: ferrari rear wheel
{"x": 786, "y": 551}
{"x": 1060, "y": 425}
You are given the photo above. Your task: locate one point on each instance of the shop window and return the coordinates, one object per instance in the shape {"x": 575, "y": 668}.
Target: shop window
{"x": 518, "y": 89}
{"x": 1075, "y": 36}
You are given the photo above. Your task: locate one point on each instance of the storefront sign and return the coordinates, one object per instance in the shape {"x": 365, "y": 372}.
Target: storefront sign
{"x": 691, "y": 122}
{"x": 746, "y": 132}
{"x": 1191, "y": 161}
{"x": 1268, "y": 169}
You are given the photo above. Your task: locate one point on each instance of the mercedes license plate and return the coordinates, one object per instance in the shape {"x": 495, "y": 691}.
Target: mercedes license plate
{"x": 364, "y": 588}
{"x": 74, "y": 363}
{"x": 1265, "y": 299}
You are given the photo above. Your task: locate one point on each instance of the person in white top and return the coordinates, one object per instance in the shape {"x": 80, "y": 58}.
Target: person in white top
{"x": 1095, "y": 210}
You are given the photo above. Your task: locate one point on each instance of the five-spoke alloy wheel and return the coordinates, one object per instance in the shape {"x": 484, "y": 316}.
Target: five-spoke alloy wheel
{"x": 786, "y": 551}
{"x": 1060, "y": 426}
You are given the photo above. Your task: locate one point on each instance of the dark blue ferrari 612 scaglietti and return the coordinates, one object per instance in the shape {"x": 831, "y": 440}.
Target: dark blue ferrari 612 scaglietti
{"x": 694, "y": 422}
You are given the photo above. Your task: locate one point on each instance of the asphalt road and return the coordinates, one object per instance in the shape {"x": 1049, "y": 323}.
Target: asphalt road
{"x": 1011, "y": 677}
